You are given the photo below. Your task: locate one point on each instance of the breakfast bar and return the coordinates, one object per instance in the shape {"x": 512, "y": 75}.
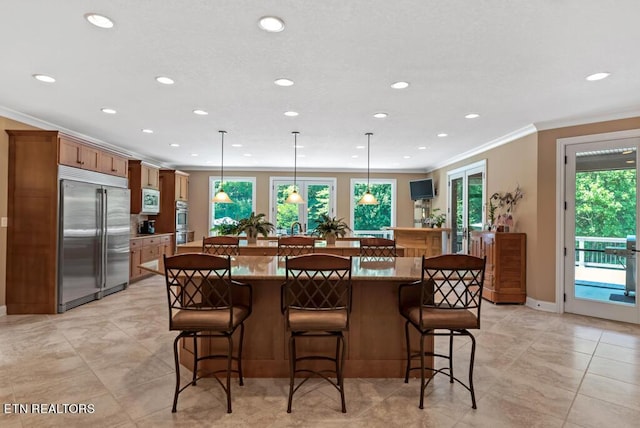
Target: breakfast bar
{"x": 375, "y": 341}
{"x": 269, "y": 247}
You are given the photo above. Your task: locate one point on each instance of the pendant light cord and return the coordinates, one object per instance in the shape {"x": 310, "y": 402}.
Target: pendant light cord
{"x": 369, "y": 134}
{"x": 295, "y": 158}
{"x": 222, "y": 158}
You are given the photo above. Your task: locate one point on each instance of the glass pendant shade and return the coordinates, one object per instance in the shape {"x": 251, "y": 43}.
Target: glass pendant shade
{"x": 221, "y": 196}
{"x": 294, "y": 197}
{"x": 368, "y": 198}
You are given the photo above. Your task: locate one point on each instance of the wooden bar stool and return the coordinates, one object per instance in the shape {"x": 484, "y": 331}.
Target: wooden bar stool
{"x": 221, "y": 245}
{"x": 377, "y": 247}
{"x": 295, "y": 245}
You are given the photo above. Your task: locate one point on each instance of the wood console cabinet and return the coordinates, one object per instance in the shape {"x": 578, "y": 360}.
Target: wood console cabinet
{"x": 146, "y": 249}
{"x": 505, "y": 279}
{"x": 425, "y": 241}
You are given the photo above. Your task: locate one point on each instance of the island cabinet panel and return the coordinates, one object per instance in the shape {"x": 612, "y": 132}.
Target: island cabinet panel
{"x": 505, "y": 273}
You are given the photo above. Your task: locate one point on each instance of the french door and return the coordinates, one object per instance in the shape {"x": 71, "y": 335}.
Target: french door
{"x": 319, "y": 197}
{"x": 600, "y": 229}
{"x": 466, "y": 204}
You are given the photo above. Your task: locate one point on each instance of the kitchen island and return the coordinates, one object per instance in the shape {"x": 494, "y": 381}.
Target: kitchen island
{"x": 269, "y": 247}
{"x": 375, "y": 341}
{"x": 422, "y": 241}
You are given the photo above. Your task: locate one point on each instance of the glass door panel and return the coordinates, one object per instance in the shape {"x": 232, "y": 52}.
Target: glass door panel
{"x": 466, "y": 204}
{"x": 600, "y": 229}
{"x": 319, "y": 199}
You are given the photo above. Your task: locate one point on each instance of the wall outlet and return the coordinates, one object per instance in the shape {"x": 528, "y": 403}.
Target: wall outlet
{"x": 4, "y": 222}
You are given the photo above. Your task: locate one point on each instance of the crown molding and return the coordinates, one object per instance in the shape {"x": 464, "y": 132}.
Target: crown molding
{"x": 311, "y": 170}
{"x": 48, "y": 126}
{"x": 505, "y": 139}
{"x": 563, "y": 123}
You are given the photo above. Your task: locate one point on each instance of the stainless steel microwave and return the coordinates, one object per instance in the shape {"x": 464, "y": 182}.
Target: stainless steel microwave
{"x": 150, "y": 201}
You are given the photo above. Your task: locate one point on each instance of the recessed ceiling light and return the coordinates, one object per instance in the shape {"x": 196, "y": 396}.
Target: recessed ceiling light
{"x": 298, "y": 146}
{"x": 99, "y": 20}
{"x": 236, "y": 145}
{"x": 472, "y": 115}
{"x": 400, "y": 85}
{"x": 200, "y": 112}
{"x": 627, "y": 152}
{"x": 354, "y": 156}
{"x": 272, "y": 24}
{"x": 291, "y": 113}
{"x": 247, "y": 155}
{"x": 165, "y": 80}
{"x": 44, "y": 78}
{"x": 359, "y": 147}
{"x": 174, "y": 145}
{"x": 109, "y": 110}
{"x": 148, "y": 131}
{"x": 283, "y": 82}
{"x": 406, "y": 157}
{"x": 380, "y": 115}
{"x": 631, "y": 161}
{"x": 598, "y": 76}
{"x": 442, "y": 134}
{"x": 422, "y": 148}
{"x": 194, "y": 154}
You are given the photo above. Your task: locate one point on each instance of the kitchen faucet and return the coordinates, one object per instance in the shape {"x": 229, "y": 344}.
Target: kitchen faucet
{"x": 293, "y": 226}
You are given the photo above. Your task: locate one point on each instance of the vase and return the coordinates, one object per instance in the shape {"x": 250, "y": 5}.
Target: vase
{"x": 331, "y": 239}
{"x": 252, "y": 239}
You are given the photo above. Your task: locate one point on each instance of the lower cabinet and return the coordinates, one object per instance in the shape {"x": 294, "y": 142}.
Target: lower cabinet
{"x": 145, "y": 249}
{"x": 505, "y": 278}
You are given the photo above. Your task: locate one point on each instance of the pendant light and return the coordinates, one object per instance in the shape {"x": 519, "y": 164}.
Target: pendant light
{"x": 294, "y": 197}
{"x": 368, "y": 198}
{"x": 221, "y": 196}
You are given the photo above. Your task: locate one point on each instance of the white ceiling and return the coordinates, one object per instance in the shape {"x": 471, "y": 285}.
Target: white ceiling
{"x": 516, "y": 63}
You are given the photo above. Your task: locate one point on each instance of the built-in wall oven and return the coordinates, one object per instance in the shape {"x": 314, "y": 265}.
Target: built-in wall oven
{"x": 182, "y": 221}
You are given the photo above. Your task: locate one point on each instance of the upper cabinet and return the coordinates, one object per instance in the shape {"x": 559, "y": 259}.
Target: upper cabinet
{"x": 182, "y": 186}
{"x": 141, "y": 176}
{"x": 76, "y": 153}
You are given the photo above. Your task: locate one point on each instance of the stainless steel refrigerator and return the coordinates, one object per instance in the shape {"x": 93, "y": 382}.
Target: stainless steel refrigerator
{"x": 94, "y": 235}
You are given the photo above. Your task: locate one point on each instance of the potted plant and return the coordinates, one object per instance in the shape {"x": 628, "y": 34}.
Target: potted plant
{"x": 254, "y": 225}
{"x": 329, "y": 228}
{"x": 224, "y": 226}
{"x": 436, "y": 219}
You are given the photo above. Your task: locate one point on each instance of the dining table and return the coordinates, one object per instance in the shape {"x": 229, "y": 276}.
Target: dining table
{"x": 375, "y": 342}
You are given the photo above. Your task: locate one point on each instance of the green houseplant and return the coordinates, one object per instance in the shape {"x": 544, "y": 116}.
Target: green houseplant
{"x": 254, "y": 225}
{"x": 330, "y": 228}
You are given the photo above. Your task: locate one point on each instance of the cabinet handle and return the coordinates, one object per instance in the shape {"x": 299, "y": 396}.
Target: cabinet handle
{"x": 113, "y": 170}
{"x": 79, "y": 161}
{"x": 82, "y": 163}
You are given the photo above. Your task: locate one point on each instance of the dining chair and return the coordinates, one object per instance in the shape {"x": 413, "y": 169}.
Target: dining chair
{"x": 204, "y": 302}
{"x": 444, "y": 302}
{"x": 295, "y": 245}
{"x": 316, "y": 303}
{"x": 221, "y": 245}
{"x": 377, "y": 247}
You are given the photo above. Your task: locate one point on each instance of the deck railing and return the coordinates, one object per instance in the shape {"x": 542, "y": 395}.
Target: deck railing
{"x": 590, "y": 252}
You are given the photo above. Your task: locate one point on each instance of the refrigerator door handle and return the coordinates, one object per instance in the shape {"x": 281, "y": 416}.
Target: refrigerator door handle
{"x": 103, "y": 238}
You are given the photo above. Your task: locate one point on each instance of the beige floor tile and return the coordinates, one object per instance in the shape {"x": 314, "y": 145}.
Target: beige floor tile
{"x": 621, "y": 339}
{"x": 613, "y": 369}
{"x": 552, "y": 341}
{"x": 73, "y": 389}
{"x": 611, "y": 390}
{"x": 497, "y": 412}
{"x": 539, "y": 369}
{"x": 618, "y": 353}
{"x": 593, "y": 413}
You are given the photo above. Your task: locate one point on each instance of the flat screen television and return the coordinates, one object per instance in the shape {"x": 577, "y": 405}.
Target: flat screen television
{"x": 421, "y": 189}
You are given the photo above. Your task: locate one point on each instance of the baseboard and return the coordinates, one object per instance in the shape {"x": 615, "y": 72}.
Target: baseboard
{"x": 3, "y": 310}
{"x": 542, "y": 305}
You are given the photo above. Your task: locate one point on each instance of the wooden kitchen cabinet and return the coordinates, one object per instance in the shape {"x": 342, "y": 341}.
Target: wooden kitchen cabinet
{"x": 142, "y": 176}
{"x": 182, "y": 186}
{"x": 505, "y": 278}
{"x": 147, "y": 248}
{"x": 73, "y": 153}
{"x": 113, "y": 164}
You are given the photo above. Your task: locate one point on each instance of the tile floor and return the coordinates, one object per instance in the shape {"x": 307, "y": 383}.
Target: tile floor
{"x": 532, "y": 369}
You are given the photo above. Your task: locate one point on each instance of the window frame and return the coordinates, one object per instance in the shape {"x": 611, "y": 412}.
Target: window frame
{"x": 212, "y": 192}
{"x": 353, "y": 203}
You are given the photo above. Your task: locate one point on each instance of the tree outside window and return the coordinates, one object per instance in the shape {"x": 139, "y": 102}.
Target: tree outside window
{"x": 241, "y": 190}
{"x": 368, "y": 219}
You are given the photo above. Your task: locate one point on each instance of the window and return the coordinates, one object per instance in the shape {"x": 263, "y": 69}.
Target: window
{"x": 466, "y": 203}
{"x": 371, "y": 220}
{"x": 241, "y": 190}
